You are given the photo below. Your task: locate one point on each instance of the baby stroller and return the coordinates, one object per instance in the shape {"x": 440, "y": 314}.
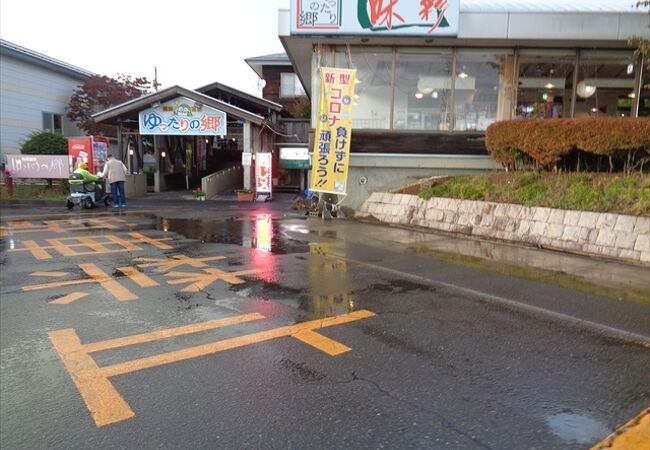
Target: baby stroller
{"x": 87, "y": 194}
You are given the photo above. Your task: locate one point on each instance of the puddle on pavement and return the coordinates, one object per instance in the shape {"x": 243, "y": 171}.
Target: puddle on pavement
{"x": 262, "y": 233}
{"x": 576, "y": 428}
{"x": 546, "y": 276}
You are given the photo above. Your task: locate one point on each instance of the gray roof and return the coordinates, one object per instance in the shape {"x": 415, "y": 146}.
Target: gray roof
{"x": 550, "y": 6}
{"x": 136, "y": 105}
{"x": 41, "y": 60}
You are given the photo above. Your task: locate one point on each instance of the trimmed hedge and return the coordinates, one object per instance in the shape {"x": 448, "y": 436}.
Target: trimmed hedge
{"x": 547, "y": 141}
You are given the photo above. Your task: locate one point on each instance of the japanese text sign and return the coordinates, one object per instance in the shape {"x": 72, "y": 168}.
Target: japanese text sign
{"x": 183, "y": 116}
{"x": 396, "y": 17}
{"x": 38, "y": 166}
{"x": 263, "y": 173}
{"x": 331, "y": 155}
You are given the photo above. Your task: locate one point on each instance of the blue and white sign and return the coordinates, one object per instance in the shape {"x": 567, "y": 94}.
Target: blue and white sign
{"x": 183, "y": 116}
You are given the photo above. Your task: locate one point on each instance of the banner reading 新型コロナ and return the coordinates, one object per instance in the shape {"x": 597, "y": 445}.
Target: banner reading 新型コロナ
{"x": 330, "y": 161}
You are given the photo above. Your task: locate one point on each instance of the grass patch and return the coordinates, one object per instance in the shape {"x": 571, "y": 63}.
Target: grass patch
{"x": 35, "y": 192}
{"x": 598, "y": 192}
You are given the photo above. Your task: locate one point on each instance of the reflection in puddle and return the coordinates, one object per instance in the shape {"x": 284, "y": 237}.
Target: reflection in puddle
{"x": 262, "y": 233}
{"x": 329, "y": 292}
{"x": 576, "y": 428}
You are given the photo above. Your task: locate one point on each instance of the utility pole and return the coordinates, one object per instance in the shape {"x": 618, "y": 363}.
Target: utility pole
{"x": 155, "y": 83}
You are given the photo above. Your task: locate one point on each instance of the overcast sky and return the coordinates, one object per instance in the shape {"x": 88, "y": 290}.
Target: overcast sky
{"x": 192, "y": 42}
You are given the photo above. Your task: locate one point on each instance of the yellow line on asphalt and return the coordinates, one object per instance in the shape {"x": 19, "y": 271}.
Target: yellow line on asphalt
{"x": 634, "y": 435}
{"x": 67, "y": 299}
{"x": 105, "y": 404}
{"x": 170, "y": 332}
{"x": 119, "y": 292}
{"x": 151, "y": 241}
{"x": 63, "y": 249}
{"x": 228, "y": 344}
{"x": 36, "y": 250}
{"x": 94, "y": 245}
{"x": 55, "y": 284}
{"x": 323, "y": 343}
{"x": 128, "y": 245}
{"x": 49, "y": 274}
{"x": 138, "y": 277}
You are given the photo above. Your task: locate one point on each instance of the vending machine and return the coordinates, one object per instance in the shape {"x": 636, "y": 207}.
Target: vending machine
{"x": 90, "y": 149}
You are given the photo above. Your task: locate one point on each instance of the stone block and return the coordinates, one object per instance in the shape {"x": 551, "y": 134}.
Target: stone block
{"x": 405, "y": 199}
{"x": 645, "y": 257}
{"x": 500, "y": 210}
{"x": 642, "y": 243}
{"x": 450, "y": 217}
{"x": 513, "y": 211}
{"x": 630, "y": 254}
{"x": 555, "y": 230}
{"x": 606, "y": 221}
{"x": 625, "y": 223}
{"x": 538, "y": 229}
{"x": 642, "y": 225}
{"x": 541, "y": 214}
{"x": 593, "y": 249}
{"x": 606, "y": 238}
{"x": 588, "y": 235}
{"x": 588, "y": 219}
{"x": 572, "y": 218}
{"x": 625, "y": 241}
{"x": 487, "y": 220}
{"x": 524, "y": 227}
{"x": 556, "y": 216}
{"x": 571, "y": 233}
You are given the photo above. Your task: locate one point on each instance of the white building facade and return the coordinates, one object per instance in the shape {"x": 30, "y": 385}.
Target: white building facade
{"x": 35, "y": 91}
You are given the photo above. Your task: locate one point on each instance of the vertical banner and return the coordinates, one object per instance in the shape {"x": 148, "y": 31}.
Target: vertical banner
{"x": 263, "y": 173}
{"x": 330, "y": 161}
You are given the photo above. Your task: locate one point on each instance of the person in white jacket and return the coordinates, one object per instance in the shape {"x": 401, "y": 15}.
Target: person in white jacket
{"x": 115, "y": 174}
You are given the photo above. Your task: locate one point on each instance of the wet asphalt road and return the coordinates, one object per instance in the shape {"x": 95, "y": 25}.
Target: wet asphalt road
{"x": 454, "y": 357}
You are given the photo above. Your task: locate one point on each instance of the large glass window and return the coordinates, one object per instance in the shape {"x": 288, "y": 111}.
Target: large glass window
{"x": 545, "y": 84}
{"x": 373, "y": 90}
{"x": 290, "y": 85}
{"x": 484, "y": 88}
{"x": 53, "y": 122}
{"x": 423, "y": 89}
{"x": 605, "y": 84}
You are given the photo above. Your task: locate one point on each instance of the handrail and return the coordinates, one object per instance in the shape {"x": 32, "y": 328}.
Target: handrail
{"x": 220, "y": 181}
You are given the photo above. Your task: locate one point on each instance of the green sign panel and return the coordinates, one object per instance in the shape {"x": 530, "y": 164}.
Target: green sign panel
{"x": 295, "y": 164}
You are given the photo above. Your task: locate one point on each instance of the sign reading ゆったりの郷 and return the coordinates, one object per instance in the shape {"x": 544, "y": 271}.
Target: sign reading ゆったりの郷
{"x": 183, "y": 116}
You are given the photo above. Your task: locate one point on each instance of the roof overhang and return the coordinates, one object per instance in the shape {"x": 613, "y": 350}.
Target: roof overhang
{"x": 258, "y": 101}
{"x": 129, "y": 110}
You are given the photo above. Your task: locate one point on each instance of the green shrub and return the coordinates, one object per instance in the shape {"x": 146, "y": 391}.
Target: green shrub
{"x": 531, "y": 194}
{"x": 45, "y": 143}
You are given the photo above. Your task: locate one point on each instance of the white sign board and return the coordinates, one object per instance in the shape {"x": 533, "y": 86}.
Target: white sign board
{"x": 246, "y": 159}
{"x": 295, "y": 153}
{"x": 375, "y": 17}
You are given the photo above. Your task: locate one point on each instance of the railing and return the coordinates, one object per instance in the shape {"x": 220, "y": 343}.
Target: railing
{"x": 222, "y": 180}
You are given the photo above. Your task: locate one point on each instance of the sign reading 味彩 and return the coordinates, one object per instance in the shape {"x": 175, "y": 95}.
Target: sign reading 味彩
{"x": 183, "y": 116}
{"x": 263, "y": 173}
{"x": 397, "y": 17}
{"x": 330, "y": 161}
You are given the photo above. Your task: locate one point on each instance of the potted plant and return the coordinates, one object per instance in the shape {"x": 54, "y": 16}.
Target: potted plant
{"x": 199, "y": 194}
{"x": 245, "y": 195}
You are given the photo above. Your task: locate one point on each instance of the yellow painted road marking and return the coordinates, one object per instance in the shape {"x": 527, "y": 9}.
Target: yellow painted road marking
{"x": 49, "y": 274}
{"x": 36, "y": 250}
{"x": 63, "y": 249}
{"x": 165, "y": 264}
{"x": 634, "y": 435}
{"x": 138, "y": 277}
{"x": 151, "y": 241}
{"x": 107, "y": 406}
{"x": 323, "y": 343}
{"x": 171, "y": 332}
{"x": 94, "y": 245}
{"x": 200, "y": 281}
{"x": 128, "y": 245}
{"x": 67, "y": 299}
{"x": 112, "y": 286}
{"x": 54, "y": 226}
{"x": 228, "y": 344}
{"x": 37, "y": 287}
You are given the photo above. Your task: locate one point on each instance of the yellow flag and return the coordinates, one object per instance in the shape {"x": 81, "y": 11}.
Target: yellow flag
{"x": 331, "y": 158}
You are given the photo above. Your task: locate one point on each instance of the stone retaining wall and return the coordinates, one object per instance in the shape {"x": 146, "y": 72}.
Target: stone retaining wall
{"x": 602, "y": 234}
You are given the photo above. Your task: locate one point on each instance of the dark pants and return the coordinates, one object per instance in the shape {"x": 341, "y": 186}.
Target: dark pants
{"x": 116, "y": 187}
